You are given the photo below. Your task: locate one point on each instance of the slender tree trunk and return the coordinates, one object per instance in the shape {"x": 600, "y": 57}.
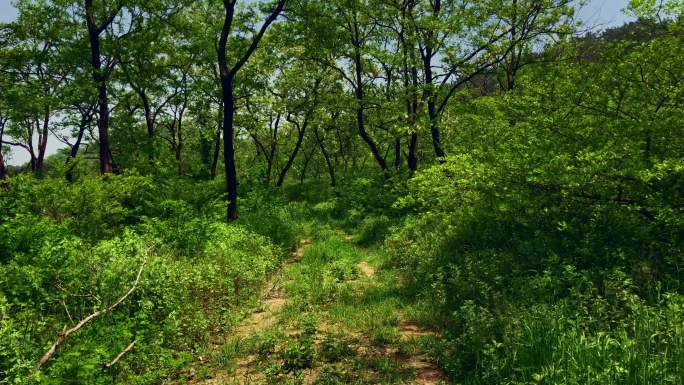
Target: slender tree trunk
{"x": 300, "y": 138}
{"x": 149, "y": 123}
{"x": 179, "y": 131}
{"x": 429, "y": 86}
{"x": 3, "y": 169}
{"x": 85, "y": 121}
{"x": 215, "y": 158}
{"x": 411, "y": 80}
{"x": 149, "y": 120}
{"x": 397, "y": 153}
{"x": 301, "y": 130}
{"x": 307, "y": 159}
{"x": 412, "y": 154}
{"x": 326, "y": 156}
{"x": 32, "y": 153}
{"x": 42, "y": 140}
{"x": 106, "y": 162}
{"x": 179, "y": 150}
{"x": 432, "y": 108}
{"x": 228, "y": 148}
{"x": 360, "y": 122}
{"x": 512, "y": 66}
{"x": 227, "y": 76}
{"x": 270, "y": 158}
{"x": 217, "y": 144}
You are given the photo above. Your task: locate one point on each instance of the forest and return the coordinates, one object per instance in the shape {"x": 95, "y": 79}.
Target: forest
{"x": 341, "y": 192}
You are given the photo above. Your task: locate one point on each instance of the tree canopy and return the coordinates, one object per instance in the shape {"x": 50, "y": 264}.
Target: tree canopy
{"x": 515, "y": 177}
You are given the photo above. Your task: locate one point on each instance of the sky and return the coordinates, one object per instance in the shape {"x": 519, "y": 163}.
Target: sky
{"x": 7, "y": 11}
{"x": 597, "y": 14}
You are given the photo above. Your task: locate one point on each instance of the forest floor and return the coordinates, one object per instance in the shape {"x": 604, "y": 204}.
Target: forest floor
{"x": 332, "y": 315}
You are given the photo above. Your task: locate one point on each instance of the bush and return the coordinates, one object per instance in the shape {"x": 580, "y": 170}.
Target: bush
{"x": 282, "y": 223}
{"x": 57, "y": 280}
{"x": 531, "y": 287}
{"x": 373, "y": 229}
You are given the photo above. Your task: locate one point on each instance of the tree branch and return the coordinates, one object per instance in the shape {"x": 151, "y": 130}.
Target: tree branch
{"x": 255, "y": 42}
{"x": 121, "y": 355}
{"x": 67, "y": 332}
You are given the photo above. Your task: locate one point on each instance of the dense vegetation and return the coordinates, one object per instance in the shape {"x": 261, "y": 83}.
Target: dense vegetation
{"x": 517, "y": 183}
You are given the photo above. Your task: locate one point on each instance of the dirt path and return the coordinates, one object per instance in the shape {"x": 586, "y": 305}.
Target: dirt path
{"x": 271, "y": 300}
{"x": 337, "y": 322}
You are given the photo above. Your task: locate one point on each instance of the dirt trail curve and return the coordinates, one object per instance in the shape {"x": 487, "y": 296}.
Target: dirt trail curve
{"x": 246, "y": 369}
{"x": 272, "y": 300}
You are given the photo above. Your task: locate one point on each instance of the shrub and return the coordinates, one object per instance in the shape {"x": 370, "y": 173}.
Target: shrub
{"x": 282, "y": 223}
{"x": 373, "y": 229}
{"x": 177, "y": 303}
{"x": 240, "y": 260}
{"x": 533, "y": 286}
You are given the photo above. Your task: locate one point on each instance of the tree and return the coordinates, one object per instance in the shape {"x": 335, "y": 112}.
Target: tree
{"x": 35, "y": 60}
{"x": 3, "y": 123}
{"x": 106, "y": 13}
{"x": 301, "y": 123}
{"x": 227, "y": 80}
{"x": 471, "y": 39}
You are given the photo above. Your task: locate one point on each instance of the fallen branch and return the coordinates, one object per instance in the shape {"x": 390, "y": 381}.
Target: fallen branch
{"x": 120, "y": 355}
{"x": 67, "y": 332}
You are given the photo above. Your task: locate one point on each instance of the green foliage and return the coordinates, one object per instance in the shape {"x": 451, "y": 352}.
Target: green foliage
{"x": 267, "y": 215}
{"x": 326, "y": 270}
{"x": 242, "y": 261}
{"x": 373, "y": 230}
{"x": 335, "y": 347}
{"x": 548, "y": 247}
{"x": 59, "y": 265}
{"x": 298, "y": 354}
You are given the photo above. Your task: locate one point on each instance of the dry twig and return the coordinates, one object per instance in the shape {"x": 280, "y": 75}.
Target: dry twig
{"x": 67, "y": 332}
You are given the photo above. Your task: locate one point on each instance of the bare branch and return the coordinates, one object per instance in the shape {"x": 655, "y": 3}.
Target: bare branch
{"x": 121, "y": 355}
{"x": 67, "y": 332}
{"x": 257, "y": 39}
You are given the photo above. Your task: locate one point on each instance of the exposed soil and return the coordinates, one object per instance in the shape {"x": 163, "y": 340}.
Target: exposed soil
{"x": 247, "y": 369}
{"x": 366, "y": 269}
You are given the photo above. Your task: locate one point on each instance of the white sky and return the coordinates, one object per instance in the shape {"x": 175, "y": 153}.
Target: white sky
{"x": 597, "y": 14}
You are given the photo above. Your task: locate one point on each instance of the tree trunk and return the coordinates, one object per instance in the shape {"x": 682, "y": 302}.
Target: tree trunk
{"x": 149, "y": 120}
{"x": 29, "y": 147}
{"x": 412, "y": 154}
{"x": 300, "y": 138}
{"x": 228, "y": 149}
{"x": 149, "y": 123}
{"x": 179, "y": 150}
{"x": 217, "y": 144}
{"x": 429, "y": 86}
{"x": 307, "y": 159}
{"x": 42, "y": 140}
{"x": 85, "y": 120}
{"x": 106, "y": 163}
{"x": 412, "y": 107}
{"x": 432, "y": 108}
{"x": 326, "y": 156}
{"x": 270, "y": 158}
{"x": 410, "y": 83}
{"x": 215, "y": 158}
{"x": 3, "y": 169}
{"x": 360, "y": 122}
{"x": 179, "y": 131}
{"x": 227, "y": 76}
